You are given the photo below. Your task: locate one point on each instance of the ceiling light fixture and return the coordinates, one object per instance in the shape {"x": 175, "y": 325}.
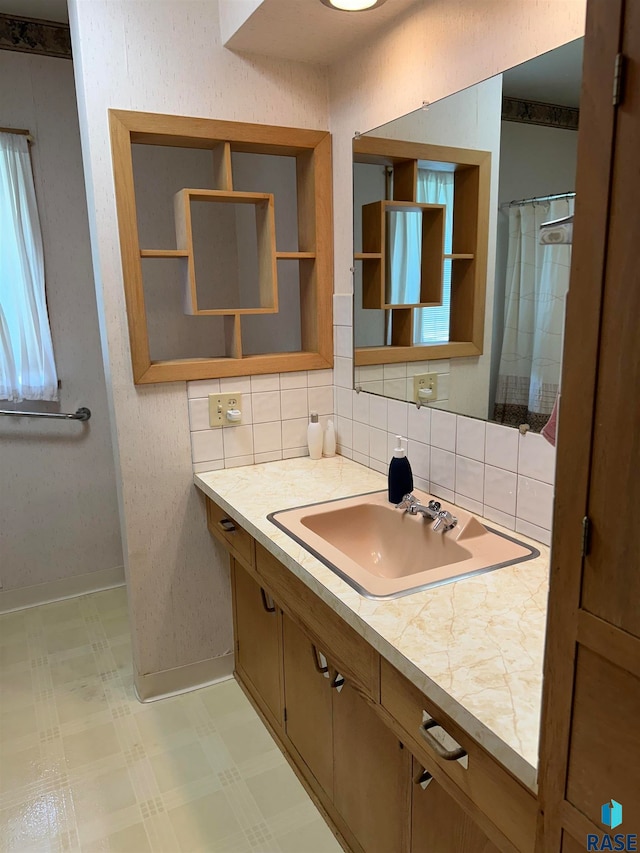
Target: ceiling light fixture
{"x": 352, "y": 5}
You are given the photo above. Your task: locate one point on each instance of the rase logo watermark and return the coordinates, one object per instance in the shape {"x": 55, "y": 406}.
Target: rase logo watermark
{"x": 611, "y": 816}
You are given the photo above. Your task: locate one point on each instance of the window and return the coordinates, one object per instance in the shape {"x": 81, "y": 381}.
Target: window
{"x": 27, "y": 366}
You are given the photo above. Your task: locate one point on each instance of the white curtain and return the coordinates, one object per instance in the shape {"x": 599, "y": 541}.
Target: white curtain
{"x": 537, "y": 280}
{"x": 404, "y": 254}
{"x": 27, "y": 366}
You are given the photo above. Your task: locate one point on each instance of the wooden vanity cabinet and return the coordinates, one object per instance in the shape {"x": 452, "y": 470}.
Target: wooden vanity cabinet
{"x": 349, "y": 723}
{"x": 257, "y": 639}
{"x": 438, "y": 823}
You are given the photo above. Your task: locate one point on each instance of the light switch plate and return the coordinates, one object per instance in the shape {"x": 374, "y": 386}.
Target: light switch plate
{"x": 219, "y": 407}
{"x": 425, "y": 382}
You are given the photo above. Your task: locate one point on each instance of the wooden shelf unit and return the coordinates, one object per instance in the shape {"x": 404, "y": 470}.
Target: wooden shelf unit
{"x": 312, "y": 152}
{"x": 472, "y": 175}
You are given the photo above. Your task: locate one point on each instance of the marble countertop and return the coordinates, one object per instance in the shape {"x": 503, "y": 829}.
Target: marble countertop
{"x": 474, "y": 646}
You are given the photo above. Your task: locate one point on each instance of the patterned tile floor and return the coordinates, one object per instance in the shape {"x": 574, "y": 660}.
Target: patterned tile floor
{"x": 85, "y": 767}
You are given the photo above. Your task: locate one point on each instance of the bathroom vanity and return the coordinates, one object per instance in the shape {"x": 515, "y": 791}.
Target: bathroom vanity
{"x": 407, "y": 720}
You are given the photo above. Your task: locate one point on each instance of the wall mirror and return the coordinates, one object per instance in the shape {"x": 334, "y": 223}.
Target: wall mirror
{"x": 500, "y": 290}
{"x": 226, "y": 243}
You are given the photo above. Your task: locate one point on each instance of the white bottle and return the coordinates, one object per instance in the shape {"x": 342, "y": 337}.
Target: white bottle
{"x": 314, "y": 437}
{"x": 329, "y": 443}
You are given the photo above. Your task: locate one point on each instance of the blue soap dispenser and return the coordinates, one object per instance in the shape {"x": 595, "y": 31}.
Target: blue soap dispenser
{"x": 400, "y": 476}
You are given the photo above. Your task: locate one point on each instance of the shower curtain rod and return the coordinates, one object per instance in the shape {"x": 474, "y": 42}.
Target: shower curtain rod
{"x": 18, "y": 132}
{"x": 537, "y": 198}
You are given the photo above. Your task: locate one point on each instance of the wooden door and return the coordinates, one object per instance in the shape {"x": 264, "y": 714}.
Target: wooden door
{"x": 371, "y": 775}
{"x": 590, "y": 748}
{"x": 257, "y": 628}
{"x": 308, "y": 718}
{"x": 439, "y": 824}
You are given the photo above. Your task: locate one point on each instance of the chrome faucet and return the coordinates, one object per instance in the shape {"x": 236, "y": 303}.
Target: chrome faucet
{"x": 442, "y": 519}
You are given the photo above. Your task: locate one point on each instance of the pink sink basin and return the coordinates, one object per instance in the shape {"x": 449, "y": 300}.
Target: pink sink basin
{"x": 383, "y": 552}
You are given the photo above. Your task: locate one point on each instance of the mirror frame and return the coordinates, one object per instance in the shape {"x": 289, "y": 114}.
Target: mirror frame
{"x": 312, "y": 151}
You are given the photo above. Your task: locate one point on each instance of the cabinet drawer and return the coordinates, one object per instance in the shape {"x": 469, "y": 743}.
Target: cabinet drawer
{"x": 343, "y": 647}
{"x": 508, "y": 804}
{"x": 234, "y": 537}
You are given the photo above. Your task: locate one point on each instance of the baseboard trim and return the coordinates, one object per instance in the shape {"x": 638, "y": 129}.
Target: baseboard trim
{"x": 183, "y": 679}
{"x": 59, "y": 590}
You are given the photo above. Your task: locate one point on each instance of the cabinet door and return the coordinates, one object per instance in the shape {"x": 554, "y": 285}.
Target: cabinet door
{"x": 308, "y": 721}
{"x": 439, "y": 824}
{"x": 257, "y": 640}
{"x": 371, "y": 775}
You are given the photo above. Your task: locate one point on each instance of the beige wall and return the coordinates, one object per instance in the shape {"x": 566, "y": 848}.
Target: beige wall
{"x": 166, "y": 57}
{"x": 58, "y": 507}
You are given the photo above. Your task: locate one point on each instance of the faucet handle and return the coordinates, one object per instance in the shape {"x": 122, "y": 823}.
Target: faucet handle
{"x": 434, "y": 506}
{"x": 406, "y": 502}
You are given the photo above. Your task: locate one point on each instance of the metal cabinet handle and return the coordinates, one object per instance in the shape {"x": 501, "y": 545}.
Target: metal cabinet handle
{"x": 317, "y": 662}
{"x": 270, "y": 608}
{"x": 337, "y": 681}
{"x": 227, "y": 525}
{"x": 423, "y": 778}
{"x": 436, "y": 746}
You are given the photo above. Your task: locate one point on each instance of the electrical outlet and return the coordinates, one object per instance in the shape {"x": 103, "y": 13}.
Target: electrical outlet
{"x": 427, "y": 383}
{"x": 225, "y": 410}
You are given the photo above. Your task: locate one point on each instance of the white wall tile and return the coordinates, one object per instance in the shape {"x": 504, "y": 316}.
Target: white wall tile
{"x": 469, "y": 478}
{"x": 347, "y": 452}
{"x": 294, "y": 452}
{"x": 344, "y": 432}
{"x": 371, "y": 372}
{"x": 421, "y": 483}
{"x": 293, "y": 404}
{"x": 378, "y": 412}
{"x": 418, "y": 455}
{"x": 394, "y": 371}
{"x": 361, "y": 458}
{"x": 361, "y": 439}
{"x": 361, "y": 407}
{"x": 500, "y": 489}
{"x": 377, "y": 465}
{"x": 203, "y": 387}
{"x": 443, "y": 468}
{"x": 266, "y": 407}
{"x": 267, "y": 437}
{"x": 397, "y": 417}
{"x": 267, "y": 382}
{"x": 238, "y": 461}
{"x": 320, "y": 399}
{"x": 206, "y": 444}
{"x": 271, "y": 456}
{"x": 415, "y": 368}
{"x": 535, "y": 502}
{"x": 442, "y": 365}
{"x": 294, "y": 433}
{"x": 319, "y": 377}
{"x": 199, "y": 414}
{"x": 470, "y": 438}
{"x": 378, "y": 445}
{"x": 419, "y": 423}
{"x": 536, "y": 457}
{"x": 443, "y": 430}
{"x": 238, "y": 441}
{"x": 442, "y": 492}
{"x": 343, "y": 341}
{"x": 235, "y": 385}
{"x": 343, "y": 372}
{"x": 344, "y": 400}
{"x": 501, "y": 447}
{"x": 532, "y": 530}
{"x": 342, "y": 309}
{"x": 395, "y": 389}
{"x": 210, "y": 465}
{"x": 469, "y": 504}
{"x": 295, "y": 379}
{"x": 491, "y": 514}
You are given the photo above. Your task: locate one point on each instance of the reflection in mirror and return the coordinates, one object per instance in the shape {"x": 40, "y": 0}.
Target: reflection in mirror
{"x": 527, "y": 119}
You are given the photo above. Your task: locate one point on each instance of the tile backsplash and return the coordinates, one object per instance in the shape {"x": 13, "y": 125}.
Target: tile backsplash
{"x": 486, "y": 468}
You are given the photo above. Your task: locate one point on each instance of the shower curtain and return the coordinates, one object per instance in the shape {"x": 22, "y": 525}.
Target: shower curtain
{"x": 537, "y": 280}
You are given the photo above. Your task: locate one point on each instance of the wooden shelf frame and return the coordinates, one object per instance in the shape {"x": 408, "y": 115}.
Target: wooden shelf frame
{"x": 312, "y": 152}
{"x": 472, "y": 186}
